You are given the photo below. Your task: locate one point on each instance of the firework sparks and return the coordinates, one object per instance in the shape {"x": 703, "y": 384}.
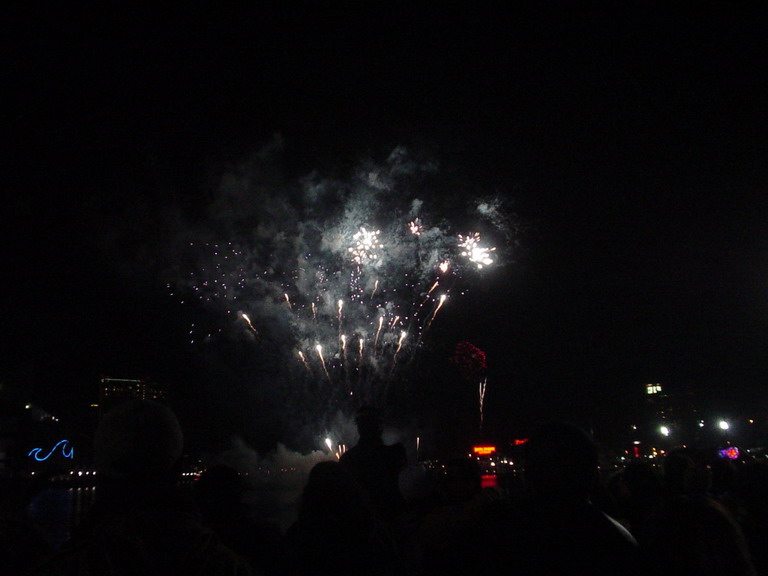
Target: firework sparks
{"x": 473, "y": 251}
{"x": 415, "y": 227}
{"x": 366, "y": 246}
{"x": 375, "y": 287}
{"x": 288, "y": 301}
{"x": 444, "y": 266}
{"x": 329, "y": 443}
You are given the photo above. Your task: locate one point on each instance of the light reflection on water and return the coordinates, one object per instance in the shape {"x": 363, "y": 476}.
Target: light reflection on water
{"x": 56, "y": 511}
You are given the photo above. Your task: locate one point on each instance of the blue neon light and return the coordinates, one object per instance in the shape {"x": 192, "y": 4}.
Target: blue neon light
{"x": 35, "y": 452}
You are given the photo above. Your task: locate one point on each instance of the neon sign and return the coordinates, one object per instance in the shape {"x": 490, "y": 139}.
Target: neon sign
{"x": 67, "y": 451}
{"x": 483, "y": 450}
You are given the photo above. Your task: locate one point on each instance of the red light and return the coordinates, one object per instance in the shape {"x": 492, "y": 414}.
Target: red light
{"x": 519, "y": 441}
{"x": 488, "y": 481}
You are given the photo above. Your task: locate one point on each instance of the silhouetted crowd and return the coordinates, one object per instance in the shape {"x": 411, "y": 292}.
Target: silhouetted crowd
{"x": 369, "y": 513}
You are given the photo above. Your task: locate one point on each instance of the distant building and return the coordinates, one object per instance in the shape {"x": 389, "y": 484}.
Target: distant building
{"x": 672, "y": 415}
{"x": 114, "y": 391}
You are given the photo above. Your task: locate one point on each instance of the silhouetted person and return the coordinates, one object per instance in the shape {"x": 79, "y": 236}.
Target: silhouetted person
{"x": 139, "y": 523}
{"x": 219, "y": 496}
{"x": 448, "y": 536}
{"x": 556, "y": 529}
{"x": 375, "y": 465}
{"x": 696, "y": 535}
{"x": 753, "y": 499}
{"x": 336, "y": 531}
{"x": 641, "y": 499}
{"x": 682, "y": 476}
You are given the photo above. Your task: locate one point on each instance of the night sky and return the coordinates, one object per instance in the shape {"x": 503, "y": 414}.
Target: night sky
{"x": 629, "y": 146}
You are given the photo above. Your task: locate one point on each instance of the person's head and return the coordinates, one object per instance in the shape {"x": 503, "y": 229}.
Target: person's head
{"x": 332, "y": 492}
{"x": 368, "y": 421}
{"x": 561, "y": 462}
{"x": 138, "y": 441}
{"x": 679, "y": 473}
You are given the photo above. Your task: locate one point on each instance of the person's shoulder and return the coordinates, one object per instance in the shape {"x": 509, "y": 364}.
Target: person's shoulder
{"x": 622, "y": 534}
{"x": 396, "y": 451}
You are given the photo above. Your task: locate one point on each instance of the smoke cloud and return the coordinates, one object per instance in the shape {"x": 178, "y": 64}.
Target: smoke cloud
{"x": 317, "y": 295}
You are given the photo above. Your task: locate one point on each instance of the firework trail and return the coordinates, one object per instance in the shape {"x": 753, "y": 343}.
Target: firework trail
{"x": 481, "y": 400}
{"x": 296, "y": 264}
{"x": 248, "y": 321}
{"x": 378, "y": 332}
{"x": 304, "y": 361}
{"x": 471, "y": 362}
{"x": 440, "y": 303}
{"x": 319, "y": 349}
{"x": 403, "y": 335}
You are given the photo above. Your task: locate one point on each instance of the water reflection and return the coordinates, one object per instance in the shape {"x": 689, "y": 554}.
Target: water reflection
{"x": 56, "y": 511}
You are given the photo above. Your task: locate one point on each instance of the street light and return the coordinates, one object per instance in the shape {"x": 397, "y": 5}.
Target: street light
{"x": 723, "y": 425}
{"x": 664, "y": 430}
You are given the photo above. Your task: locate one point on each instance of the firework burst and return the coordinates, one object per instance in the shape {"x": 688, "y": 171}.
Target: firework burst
{"x": 474, "y": 252}
{"x": 366, "y": 266}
